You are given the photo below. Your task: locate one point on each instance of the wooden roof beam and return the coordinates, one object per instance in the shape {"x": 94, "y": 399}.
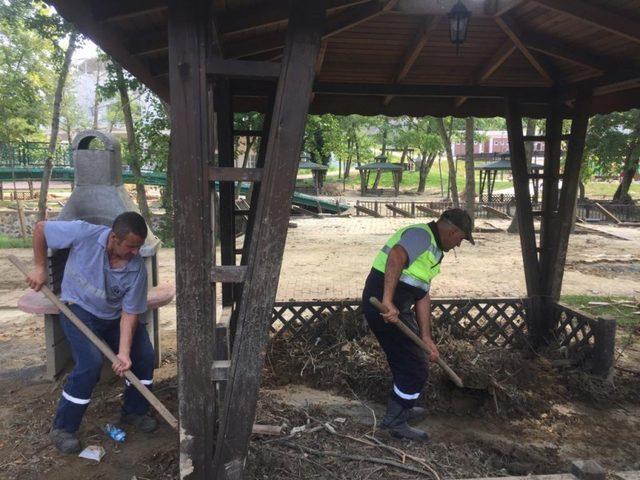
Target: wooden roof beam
{"x": 268, "y": 14}
{"x": 513, "y": 33}
{"x": 335, "y": 25}
{"x": 486, "y": 70}
{"x": 597, "y": 16}
{"x": 115, "y": 11}
{"x": 557, "y": 48}
{"x": 79, "y": 13}
{"x": 149, "y": 42}
{"x": 421, "y": 37}
{"x": 504, "y": 6}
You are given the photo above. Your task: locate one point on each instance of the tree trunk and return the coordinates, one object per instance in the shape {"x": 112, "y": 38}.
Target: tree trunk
{"x": 55, "y": 125}
{"x": 425, "y": 167}
{"x": 167, "y": 192}
{"x": 446, "y": 141}
{"x": 132, "y": 145}
{"x": 630, "y": 170}
{"x": 581, "y": 191}
{"x": 405, "y": 151}
{"x": 470, "y": 188}
{"x": 96, "y": 97}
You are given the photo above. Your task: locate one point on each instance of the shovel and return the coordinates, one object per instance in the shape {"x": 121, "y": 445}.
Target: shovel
{"x": 415, "y": 339}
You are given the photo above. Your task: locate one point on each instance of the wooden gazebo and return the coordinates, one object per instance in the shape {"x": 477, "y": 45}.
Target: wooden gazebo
{"x": 318, "y": 173}
{"x": 379, "y": 168}
{"x": 489, "y": 172}
{"x": 552, "y": 59}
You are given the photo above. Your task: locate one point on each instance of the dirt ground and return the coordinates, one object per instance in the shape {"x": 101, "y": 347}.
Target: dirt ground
{"x": 327, "y": 259}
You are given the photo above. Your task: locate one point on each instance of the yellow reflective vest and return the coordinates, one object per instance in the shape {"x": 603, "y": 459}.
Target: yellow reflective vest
{"x": 423, "y": 269}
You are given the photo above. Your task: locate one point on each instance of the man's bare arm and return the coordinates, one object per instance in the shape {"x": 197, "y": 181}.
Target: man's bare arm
{"x": 128, "y": 324}
{"x": 38, "y": 276}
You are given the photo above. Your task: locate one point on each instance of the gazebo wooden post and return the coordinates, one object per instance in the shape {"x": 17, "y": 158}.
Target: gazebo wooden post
{"x": 553, "y": 271}
{"x": 524, "y": 214}
{"x": 191, "y": 150}
{"x": 304, "y": 32}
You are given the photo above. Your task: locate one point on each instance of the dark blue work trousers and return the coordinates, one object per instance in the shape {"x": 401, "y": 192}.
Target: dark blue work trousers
{"x": 76, "y": 394}
{"x": 407, "y": 361}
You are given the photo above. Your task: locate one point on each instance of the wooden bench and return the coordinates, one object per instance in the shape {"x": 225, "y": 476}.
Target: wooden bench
{"x": 58, "y": 353}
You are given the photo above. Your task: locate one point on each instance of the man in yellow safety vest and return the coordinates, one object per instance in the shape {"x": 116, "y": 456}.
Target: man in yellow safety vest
{"x": 401, "y": 277}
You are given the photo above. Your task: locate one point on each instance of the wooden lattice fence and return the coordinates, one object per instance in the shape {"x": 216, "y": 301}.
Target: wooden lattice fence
{"x": 500, "y": 322}
{"x": 573, "y": 329}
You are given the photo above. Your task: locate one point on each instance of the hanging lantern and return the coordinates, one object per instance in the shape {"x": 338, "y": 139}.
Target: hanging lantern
{"x": 458, "y": 22}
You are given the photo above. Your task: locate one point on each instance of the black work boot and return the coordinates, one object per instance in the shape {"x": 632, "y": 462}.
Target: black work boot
{"x": 416, "y": 414}
{"x": 64, "y": 441}
{"x": 143, "y": 423}
{"x": 395, "y": 422}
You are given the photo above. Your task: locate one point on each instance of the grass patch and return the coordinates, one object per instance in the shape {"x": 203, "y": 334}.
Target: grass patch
{"x": 621, "y": 308}
{"x": 9, "y": 242}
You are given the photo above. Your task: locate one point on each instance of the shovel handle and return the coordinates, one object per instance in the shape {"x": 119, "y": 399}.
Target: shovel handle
{"x": 418, "y": 341}
{"x": 103, "y": 347}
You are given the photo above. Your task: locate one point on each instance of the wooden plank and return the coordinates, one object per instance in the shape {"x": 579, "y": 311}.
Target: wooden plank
{"x": 597, "y": 231}
{"x": 496, "y": 213}
{"x": 425, "y": 30}
{"x": 195, "y": 299}
{"x": 600, "y": 17}
{"x": 523, "y": 198}
{"x": 304, "y": 211}
{"x": 513, "y": 33}
{"x": 233, "y": 174}
{"x": 341, "y": 22}
{"x": 429, "y": 211}
{"x": 568, "y": 195}
{"x": 367, "y": 211}
{"x": 228, "y": 273}
{"x": 273, "y": 13}
{"x": 242, "y": 69}
{"x": 268, "y": 237}
{"x": 117, "y": 11}
{"x": 608, "y": 214}
{"x": 399, "y": 211}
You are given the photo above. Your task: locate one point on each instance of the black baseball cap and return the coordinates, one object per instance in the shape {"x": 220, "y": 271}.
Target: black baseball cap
{"x": 461, "y": 219}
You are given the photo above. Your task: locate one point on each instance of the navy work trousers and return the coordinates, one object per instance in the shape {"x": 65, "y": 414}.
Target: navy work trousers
{"x": 76, "y": 394}
{"x": 408, "y": 363}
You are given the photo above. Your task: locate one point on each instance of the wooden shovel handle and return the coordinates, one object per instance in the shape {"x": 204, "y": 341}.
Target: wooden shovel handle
{"x": 103, "y": 347}
{"x": 418, "y": 341}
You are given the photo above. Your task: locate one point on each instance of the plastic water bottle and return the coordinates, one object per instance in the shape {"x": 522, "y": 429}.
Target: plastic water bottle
{"x": 114, "y": 432}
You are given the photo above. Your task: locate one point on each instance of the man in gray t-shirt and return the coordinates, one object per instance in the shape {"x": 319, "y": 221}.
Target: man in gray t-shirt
{"x": 105, "y": 286}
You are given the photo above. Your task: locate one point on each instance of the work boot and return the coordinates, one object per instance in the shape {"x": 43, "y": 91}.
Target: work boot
{"x": 142, "y": 423}
{"x": 416, "y": 414}
{"x": 64, "y": 441}
{"x": 395, "y": 422}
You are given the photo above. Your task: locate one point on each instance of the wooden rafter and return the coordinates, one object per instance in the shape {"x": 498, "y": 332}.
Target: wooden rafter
{"x": 504, "y": 6}
{"x": 116, "y": 11}
{"x": 339, "y": 23}
{"x": 268, "y": 14}
{"x": 79, "y": 13}
{"x": 487, "y": 69}
{"x": 512, "y": 32}
{"x": 557, "y": 48}
{"x": 426, "y": 28}
{"x": 598, "y": 16}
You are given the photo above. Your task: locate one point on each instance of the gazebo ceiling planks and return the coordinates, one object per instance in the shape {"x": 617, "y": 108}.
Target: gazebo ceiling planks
{"x": 565, "y": 46}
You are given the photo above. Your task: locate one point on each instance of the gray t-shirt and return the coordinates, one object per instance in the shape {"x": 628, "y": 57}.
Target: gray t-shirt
{"x": 89, "y": 280}
{"x": 415, "y": 241}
